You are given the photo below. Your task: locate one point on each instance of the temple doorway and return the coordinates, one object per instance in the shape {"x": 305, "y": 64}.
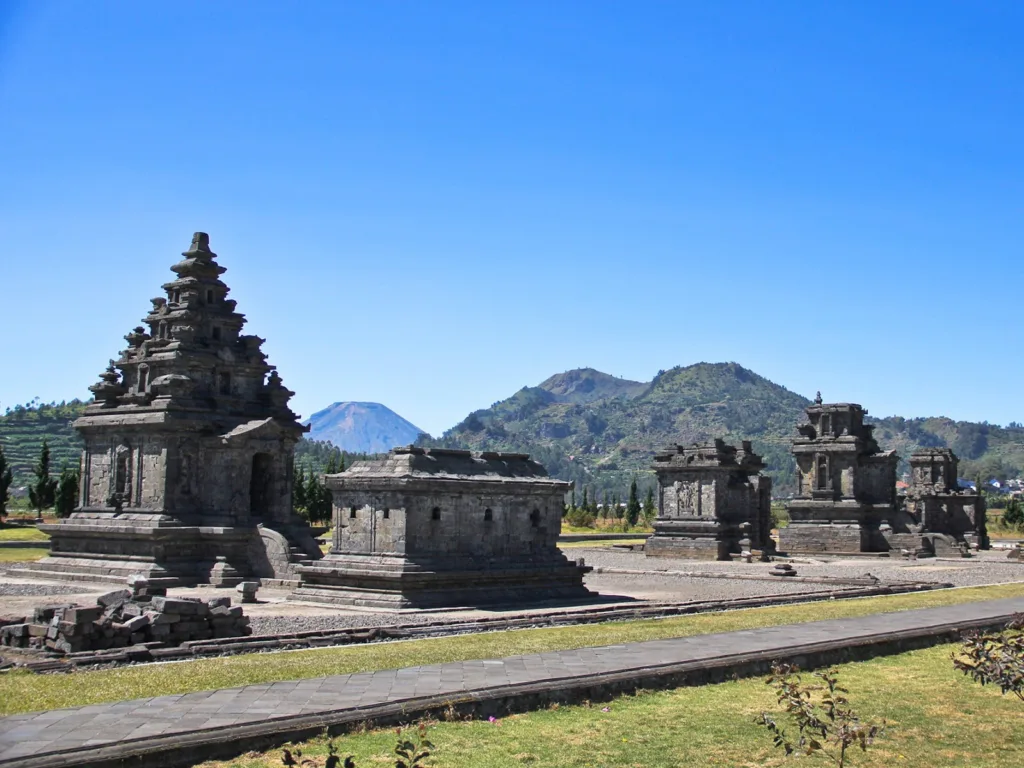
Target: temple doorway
{"x": 260, "y": 484}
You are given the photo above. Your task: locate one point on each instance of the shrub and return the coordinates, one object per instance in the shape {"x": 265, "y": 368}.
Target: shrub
{"x": 826, "y": 725}
{"x": 995, "y": 657}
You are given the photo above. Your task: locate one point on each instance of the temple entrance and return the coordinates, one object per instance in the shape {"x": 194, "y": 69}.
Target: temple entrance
{"x": 260, "y": 484}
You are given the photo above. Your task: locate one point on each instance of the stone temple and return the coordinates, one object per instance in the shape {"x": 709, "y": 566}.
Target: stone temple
{"x": 846, "y": 484}
{"x": 186, "y": 475}
{"x": 944, "y": 515}
{"x": 427, "y": 528}
{"x": 712, "y": 502}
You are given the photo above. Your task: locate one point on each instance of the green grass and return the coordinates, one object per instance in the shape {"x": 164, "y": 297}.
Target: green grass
{"x": 22, "y": 534}
{"x": 608, "y": 543}
{"x": 935, "y": 717}
{"x": 22, "y": 555}
{"x": 27, "y": 692}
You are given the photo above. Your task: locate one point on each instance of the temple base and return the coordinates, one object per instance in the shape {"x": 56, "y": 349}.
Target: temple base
{"x": 391, "y": 582}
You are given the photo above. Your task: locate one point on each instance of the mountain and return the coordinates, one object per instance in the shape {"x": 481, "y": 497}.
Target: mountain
{"x": 362, "y": 427}
{"x": 598, "y": 430}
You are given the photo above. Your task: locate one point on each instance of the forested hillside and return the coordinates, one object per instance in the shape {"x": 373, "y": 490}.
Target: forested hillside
{"x": 600, "y": 431}
{"x": 602, "y": 438}
{"x": 24, "y": 427}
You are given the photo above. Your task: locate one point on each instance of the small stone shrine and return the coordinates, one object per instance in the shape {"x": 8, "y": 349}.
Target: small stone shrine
{"x": 186, "y": 475}
{"x": 935, "y": 504}
{"x": 713, "y": 502}
{"x": 428, "y": 528}
{"x": 846, "y": 484}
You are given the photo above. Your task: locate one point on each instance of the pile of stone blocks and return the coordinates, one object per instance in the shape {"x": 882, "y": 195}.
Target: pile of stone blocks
{"x": 127, "y": 617}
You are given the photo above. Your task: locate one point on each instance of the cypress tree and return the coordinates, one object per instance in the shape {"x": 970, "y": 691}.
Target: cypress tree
{"x": 66, "y": 498}
{"x": 299, "y": 490}
{"x": 649, "y": 511}
{"x": 633, "y": 506}
{"x": 5, "y": 483}
{"x": 41, "y": 493}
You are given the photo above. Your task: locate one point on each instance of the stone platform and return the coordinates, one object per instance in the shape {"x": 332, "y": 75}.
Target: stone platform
{"x": 182, "y": 730}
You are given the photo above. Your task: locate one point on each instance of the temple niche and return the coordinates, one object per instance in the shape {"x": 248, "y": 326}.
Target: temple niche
{"x": 186, "y": 475}
{"x": 713, "y": 502}
{"x": 846, "y": 484}
{"x": 431, "y": 528}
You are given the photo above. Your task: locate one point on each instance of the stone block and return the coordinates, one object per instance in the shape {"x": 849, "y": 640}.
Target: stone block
{"x": 219, "y": 602}
{"x": 248, "y": 590}
{"x": 182, "y": 607}
{"x": 115, "y": 598}
{"x": 43, "y": 614}
{"x": 156, "y": 618}
{"x": 133, "y": 609}
{"x": 137, "y": 623}
{"x": 83, "y": 615}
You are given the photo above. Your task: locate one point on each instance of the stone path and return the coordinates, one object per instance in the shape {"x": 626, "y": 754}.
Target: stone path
{"x": 167, "y": 727}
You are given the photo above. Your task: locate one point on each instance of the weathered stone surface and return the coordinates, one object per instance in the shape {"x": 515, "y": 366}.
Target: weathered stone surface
{"x": 440, "y": 527}
{"x": 935, "y": 504}
{"x": 846, "y": 484}
{"x": 712, "y": 502}
{"x": 116, "y": 597}
{"x": 189, "y": 447}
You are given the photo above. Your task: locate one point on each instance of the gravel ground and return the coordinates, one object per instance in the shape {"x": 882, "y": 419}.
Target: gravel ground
{"x": 988, "y": 568}
{"x": 31, "y": 590}
{"x": 269, "y": 625}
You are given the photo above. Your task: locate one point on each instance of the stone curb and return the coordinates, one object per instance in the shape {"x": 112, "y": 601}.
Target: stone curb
{"x": 188, "y": 749}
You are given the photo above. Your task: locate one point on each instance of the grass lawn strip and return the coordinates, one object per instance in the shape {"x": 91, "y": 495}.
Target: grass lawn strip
{"x": 22, "y": 555}
{"x": 18, "y": 533}
{"x": 26, "y": 692}
{"x": 936, "y": 718}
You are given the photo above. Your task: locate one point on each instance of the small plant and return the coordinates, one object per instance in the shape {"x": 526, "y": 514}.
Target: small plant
{"x": 995, "y": 657}
{"x": 292, "y": 758}
{"x": 412, "y": 754}
{"x": 826, "y": 725}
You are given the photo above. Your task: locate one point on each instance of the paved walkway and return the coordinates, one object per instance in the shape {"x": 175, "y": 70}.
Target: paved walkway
{"x": 76, "y": 736}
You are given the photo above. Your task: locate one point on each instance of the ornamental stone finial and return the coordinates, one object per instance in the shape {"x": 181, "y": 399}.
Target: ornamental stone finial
{"x": 817, "y": 398}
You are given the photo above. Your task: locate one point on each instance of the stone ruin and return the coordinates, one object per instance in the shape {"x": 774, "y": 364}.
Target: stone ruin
{"x": 713, "y": 503}
{"x": 428, "y": 528}
{"x": 186, "y": 475}
{"x": 937, "y": 510}
{"x": 846, "y": 485}
{"x": 127, "y": 617}
{"x": 847, "y": 500}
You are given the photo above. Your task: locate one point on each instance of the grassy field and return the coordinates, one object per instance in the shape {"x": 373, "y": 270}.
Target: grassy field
{"x": 19, "y": 533}
{"x": 22, "y": 555}
{"x": 591, "y": 544}
{"x": 26, "y": 692}
{"x": 935, "y": 718}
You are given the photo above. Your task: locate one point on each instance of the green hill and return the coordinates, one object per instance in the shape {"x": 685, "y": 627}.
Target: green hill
{"x": 24, "y": 427}
{"x": 599, "y": 431}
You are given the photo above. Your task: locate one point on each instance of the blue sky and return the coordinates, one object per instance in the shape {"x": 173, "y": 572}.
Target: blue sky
{"x": 431, "y": 205}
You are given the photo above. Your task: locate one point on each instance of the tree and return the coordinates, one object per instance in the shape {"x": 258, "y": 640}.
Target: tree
{"x": 5, "y": 483}
{"x": 42, "y": 492}
{"x": 649, "y": 511}
{"x": 66, "y": 498}
{"x": 633, "y": 505}
{"x": 1014, "y": 514}
{"x": 299, "y": 490}
{"x": 319, "y": 503}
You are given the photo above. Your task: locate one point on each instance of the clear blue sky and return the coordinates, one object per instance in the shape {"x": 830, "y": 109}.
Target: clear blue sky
{"x": 431, "y": 205}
